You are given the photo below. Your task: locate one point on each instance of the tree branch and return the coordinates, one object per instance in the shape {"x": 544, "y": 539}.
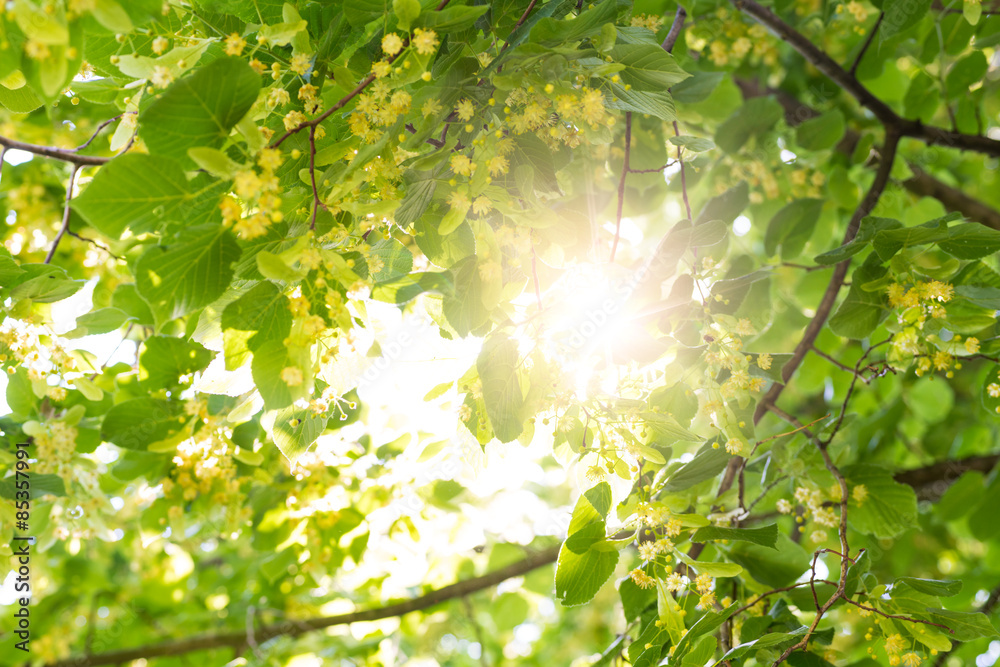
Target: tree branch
{"x": 836, "y": 280}
{"x": 66, "y": 215}
{"x": 296, "y": 628}
{"x": 931, "y": 481}
{"x": 890, "y": 119}
{"x": 921, "y": 183}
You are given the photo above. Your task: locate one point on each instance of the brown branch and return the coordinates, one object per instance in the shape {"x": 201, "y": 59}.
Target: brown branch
{"x": 925, "y": 185}
{"x": 294, "y": 629}
{"x": 921, "y": 183}
{"x": 66, "y": 215}
{"x": 903, "y": 127}
{"x": 675, "y": 30}
{"x": 64, "y": 154}
{"x": 931, "y": 481}
{"x": 836, "y": 280}
{"x": 99, "y": 128}
{"x": 868, "y": 42}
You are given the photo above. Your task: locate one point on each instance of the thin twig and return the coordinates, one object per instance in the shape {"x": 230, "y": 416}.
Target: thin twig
{"x": 66, "y": 214}
{"x": 296, "y": 628}
{"x": 826, "y": 304}
{"x": 868, "y": 42}
{"x": 98, "y": 130}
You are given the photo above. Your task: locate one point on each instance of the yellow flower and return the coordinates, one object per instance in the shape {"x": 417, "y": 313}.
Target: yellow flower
{"x": 291, "y": 376}
{"x": 498, "y": 165}
{"x": 706, "y": 601}
{"x": 231, "y": 210}
{"x": 764, "y": 361}
{"x": 911, "y": 659}
{"x": 641, "y": 579}
{"x": 160, "y": 45}
{"x": 278, "y": 97}
{"x": 293, "y": 119}
{"x": 937, "y": 290}
{"x": 301, "y": 63}
{"x": 258, "y": 66}
{"x": 461, "y": 165}
{"x": 592, "y": 106}
{"x": 162, "y": 77}
{"x": 425, "y": 41}
{"x": 859, "y": 493}
{"x": 430, "y": 108}
{"x": 235, "y": 45}
{"x": 465, "y": 110}
{"x": 381, "y": 69}
{"x": 972, "y": 345}
{"x": 481, "y": 206}
{"x": 247, "y": 184}
{"x": 734, "y": 446}
{"x": 894, "y": 644}
{"x": 993, "y": 389}
{"x": 942, "y": 360}
{"x": 392, "y": 44}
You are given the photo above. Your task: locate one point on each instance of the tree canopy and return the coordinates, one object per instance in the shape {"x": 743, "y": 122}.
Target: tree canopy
{"x": 483, "y": 332}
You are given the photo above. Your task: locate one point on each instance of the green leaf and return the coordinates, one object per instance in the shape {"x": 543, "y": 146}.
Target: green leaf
{"x": 697, "y": 88}
{"x": 138, "y": 423}
{"x": 165, "y": 358}
{"x": 791, "y": 227}
{"x": 706, "y": 464}
{"x": 656, "y": 103}
{"x": 869, "y": 227}
{"x": 41, "y": 485}
{"x": 756, "y": 116}
{"x": 406, "y": 12}
{"x": 135, "y": 191}
{"x": 727, "y": 206}
{"x": 44, "y": 283}
{"x": 21, "y": 100}
{"x": 263, "y": 310}
{"x": 188, "y": 274}
{"x": 822, "y": 132}
{"x": 464, "y": 307}
{"x": 889, "y": 242}
{"x": 766, "y": 536}
{"x": 580, "y": 576}
{"x": 200, "y": 109}
{"x": 502, "y": 395}
{"x": 775, "y": 640}
{"x": 100, "y": 321}
{"x": 450, "y": 19}
{"x": 635, "y": 600}
{"x": 269, "y": 360}
{"x": 693, "y": 144}
{"x": 936, "y": 587}
{"x": 900, "y": 15}
{"x": 707, "y": 624}
{"x": 971, "y": 240}
{"x": 718, "y": 569}
{"x": 966, "y": 72}
{"x": 293, "y": 430}
{"x": 590, "y": 22}
{"x": 967, "y": 626}
{"x": 889, "y": 509}
{"x": 772, "y": 567}
{"x": 862, "y": 310}
{"x": 647, "y": 67}
{"x": 111, "y": 15}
